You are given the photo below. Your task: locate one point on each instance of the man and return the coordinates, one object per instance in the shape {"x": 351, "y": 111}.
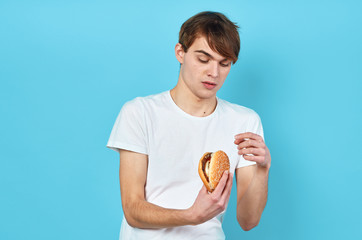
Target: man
{"x": 162, "y": 137}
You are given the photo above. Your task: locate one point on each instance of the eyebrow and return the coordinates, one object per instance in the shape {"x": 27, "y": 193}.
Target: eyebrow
{"x": 209, "y": 55}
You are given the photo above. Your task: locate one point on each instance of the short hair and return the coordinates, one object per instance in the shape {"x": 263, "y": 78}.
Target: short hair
{"x": 222, "y": 35}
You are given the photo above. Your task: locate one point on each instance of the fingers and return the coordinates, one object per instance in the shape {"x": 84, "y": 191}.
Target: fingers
{"x": 208, "y": 205}
{"x": 257, "y": 159}
{"x": 251, "y": 146}
{"x": 220, "y": 187}
{"x": 254, "y": 151}
{"x": 226, "y": 194}
{"x": 222, "y": 192}
{"x": 203, "y": 189}
{"x": 247, "y": 136}
{"x": 250, "y": 143}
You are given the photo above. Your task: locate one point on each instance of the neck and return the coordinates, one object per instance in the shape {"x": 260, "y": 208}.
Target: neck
{"x": 192, "y": 104}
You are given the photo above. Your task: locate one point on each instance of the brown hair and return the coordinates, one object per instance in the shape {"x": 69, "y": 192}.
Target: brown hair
{"x": 221, "y": 34}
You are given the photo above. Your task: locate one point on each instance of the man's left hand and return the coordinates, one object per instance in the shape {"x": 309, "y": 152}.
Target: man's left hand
{"x": 252, "y": 147}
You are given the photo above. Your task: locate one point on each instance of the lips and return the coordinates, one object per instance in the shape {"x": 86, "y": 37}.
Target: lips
{"x": 209, "y": 85}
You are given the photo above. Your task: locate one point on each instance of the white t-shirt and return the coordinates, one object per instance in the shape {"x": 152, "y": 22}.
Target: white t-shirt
{"x": 174, "y": 142}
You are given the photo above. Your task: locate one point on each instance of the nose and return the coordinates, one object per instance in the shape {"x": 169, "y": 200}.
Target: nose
{"x": 213, "y": 70}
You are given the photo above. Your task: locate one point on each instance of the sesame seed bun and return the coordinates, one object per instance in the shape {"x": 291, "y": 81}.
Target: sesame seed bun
{"x": 211, "y": 168}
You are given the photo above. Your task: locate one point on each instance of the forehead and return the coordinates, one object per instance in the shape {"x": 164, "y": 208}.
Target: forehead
{"x": 202, "y": 44}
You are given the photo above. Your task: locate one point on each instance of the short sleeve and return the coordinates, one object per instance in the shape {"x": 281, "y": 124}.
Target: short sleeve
{"x": 254, "y": 126}
{"x": 129, "y": 130}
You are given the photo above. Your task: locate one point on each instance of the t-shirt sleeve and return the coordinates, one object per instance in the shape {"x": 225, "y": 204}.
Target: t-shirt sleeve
{"x": 254, "y": 126}
{"x": 129, "y": 130}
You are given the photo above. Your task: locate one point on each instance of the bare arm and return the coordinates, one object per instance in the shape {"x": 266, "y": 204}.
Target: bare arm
{"x": 141, "y": 214}
{"x": 252, "y": 181}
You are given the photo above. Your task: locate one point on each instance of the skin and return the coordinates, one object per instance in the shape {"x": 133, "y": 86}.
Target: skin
{"x": 199, "y": 65}
{"x": 252, "y": 181}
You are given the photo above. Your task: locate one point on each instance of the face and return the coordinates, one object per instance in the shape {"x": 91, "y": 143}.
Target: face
{"x": 203, "y": 71}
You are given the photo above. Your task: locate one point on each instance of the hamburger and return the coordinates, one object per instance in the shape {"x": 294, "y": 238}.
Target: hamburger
{"x": 211, "y": 168}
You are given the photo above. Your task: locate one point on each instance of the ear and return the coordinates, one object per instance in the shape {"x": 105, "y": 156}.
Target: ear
{"x": 179, "y": 52}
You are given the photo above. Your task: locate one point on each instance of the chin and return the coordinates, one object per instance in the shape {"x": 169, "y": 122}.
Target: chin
{"x": 206, "y": 94}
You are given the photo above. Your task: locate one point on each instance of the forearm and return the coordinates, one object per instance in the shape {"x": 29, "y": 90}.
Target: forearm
{"x": 142, "y": 214}
{"x": 250, "y": 207}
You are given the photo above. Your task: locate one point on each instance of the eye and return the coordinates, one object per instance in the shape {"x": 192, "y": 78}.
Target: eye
{"x": 203, "y": 60}
{"x": 225, "y": 64}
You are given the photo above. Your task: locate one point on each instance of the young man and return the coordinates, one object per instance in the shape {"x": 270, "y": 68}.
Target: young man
{"x": 162, "y": 137}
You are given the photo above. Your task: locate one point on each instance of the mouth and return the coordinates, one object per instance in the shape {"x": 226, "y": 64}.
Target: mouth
{"x": 209, "y": 85}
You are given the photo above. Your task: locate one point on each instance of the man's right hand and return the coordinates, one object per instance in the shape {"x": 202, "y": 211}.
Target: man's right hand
{"x": 208, "y": 205}
{"x": 142, "y": 214}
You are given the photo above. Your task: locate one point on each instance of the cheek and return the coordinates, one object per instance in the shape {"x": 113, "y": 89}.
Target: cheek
{"x": 197, "y": 70}
{"x": 224, "y": 73}
{"x": 196, "y": 67}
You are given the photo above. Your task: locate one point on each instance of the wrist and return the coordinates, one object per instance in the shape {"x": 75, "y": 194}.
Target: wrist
{"x": 191, "y": 217}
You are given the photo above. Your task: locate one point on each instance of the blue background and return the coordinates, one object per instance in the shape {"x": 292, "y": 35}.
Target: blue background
{"x": 67, "y": 67}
